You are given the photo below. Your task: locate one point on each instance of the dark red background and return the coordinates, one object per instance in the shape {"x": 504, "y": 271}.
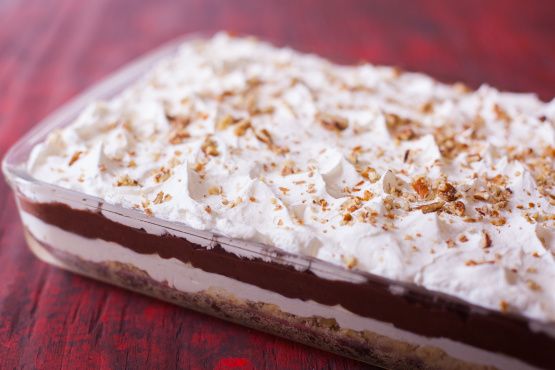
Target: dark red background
{"x": 52, "y": 49}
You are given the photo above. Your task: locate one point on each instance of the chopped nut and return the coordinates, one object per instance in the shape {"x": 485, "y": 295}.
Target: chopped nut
{"x": 224, "y": 122}
{"x": 322, "y": 202}
{"x": 264, "y": 136}
{"x": 427, "y": 107}
{"x": 254, "y": 82}
{"x": 392, "y": 119}
{"x": 477, "y": 263}
{"x": 388, "y": 203}
{"x": 236, "y": 202}
{"x": 499, "y": 221}
{"x": 533, "y": 285}
{"x": 242, "y": 127}
{"x": 504, "y": 306}
{"x": 178, "y": 121}
{"x": 347, "y": 217}
{"x": 353, "y": 156}
{"x": 483, "y": 196}
{"x": 474, "y": 157}
{"x": 447, "y": 142}
{"x": 333, "y": 122}
{"x": 420, "y": 185}
{"x": 367, "y": 195}
{"x": 281, "y": 150}
{"x": 486, "y": 240}
{"x": 215, "y": 190}
{"x": 209, "y": 147}
{"x": 447, "y": 192}
{"x": 499, "y": 180}
{"x": 198, "y": 167}
{"x": 126, "y": 181}
{"x": 224, "y": 95}
{"x": 284, "y": 190}
{"x": 75, "y": 157}
{"x": 391, "y": 183}
{"x": 350, "y": 261}
{"x": 264, "y": 110}
{"x": 431, "y": 207}
{"x": 461, "y": 87}
{"x": 371, "y": 174}
{"x": 351, "y": 204}
{"x": 405, "y": 133}
{"x": 456, "y": 208}
{"x": 162, "y": 175}
{"x": 178, "y": 136}
{"x": 289, "y": 168}
{"x": 400, "y": 128}
{"x": 406, "y": 156}
{"x": 161, "y": 198}
{"x": 501, "y": 114}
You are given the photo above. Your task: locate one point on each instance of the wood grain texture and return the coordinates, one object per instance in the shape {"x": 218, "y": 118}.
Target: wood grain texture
{"x": 52, "y": 49}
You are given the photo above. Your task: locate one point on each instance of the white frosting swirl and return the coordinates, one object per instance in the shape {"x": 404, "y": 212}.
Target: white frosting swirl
{"x": 345, "y": 163}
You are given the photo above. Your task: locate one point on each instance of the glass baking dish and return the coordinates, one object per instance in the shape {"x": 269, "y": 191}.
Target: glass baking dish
{"x": 354, "y": 314}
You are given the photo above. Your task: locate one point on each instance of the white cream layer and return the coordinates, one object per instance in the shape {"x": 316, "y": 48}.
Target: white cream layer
{"x": 186, "y": 278}
{"x": 161, "y": 147}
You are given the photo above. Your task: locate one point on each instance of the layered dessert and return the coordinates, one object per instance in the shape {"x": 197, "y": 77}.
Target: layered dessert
{"x": 372, "y": 212}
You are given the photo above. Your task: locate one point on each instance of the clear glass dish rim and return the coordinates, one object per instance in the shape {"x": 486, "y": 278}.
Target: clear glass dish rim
{"x": 115, "y": 82}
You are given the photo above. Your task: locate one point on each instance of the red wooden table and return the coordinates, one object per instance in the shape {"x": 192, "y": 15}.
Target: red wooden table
{"x": 52, "y": 49}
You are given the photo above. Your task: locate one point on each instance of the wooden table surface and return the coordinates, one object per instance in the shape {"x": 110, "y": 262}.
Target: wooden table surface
{"x": 50, "y": 50}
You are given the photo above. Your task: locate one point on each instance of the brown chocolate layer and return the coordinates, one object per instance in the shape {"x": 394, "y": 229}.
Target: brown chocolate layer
{"x": 418, "y": 310}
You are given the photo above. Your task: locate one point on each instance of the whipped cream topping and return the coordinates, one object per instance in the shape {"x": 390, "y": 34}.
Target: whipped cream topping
{"x": 367, "y": 167}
